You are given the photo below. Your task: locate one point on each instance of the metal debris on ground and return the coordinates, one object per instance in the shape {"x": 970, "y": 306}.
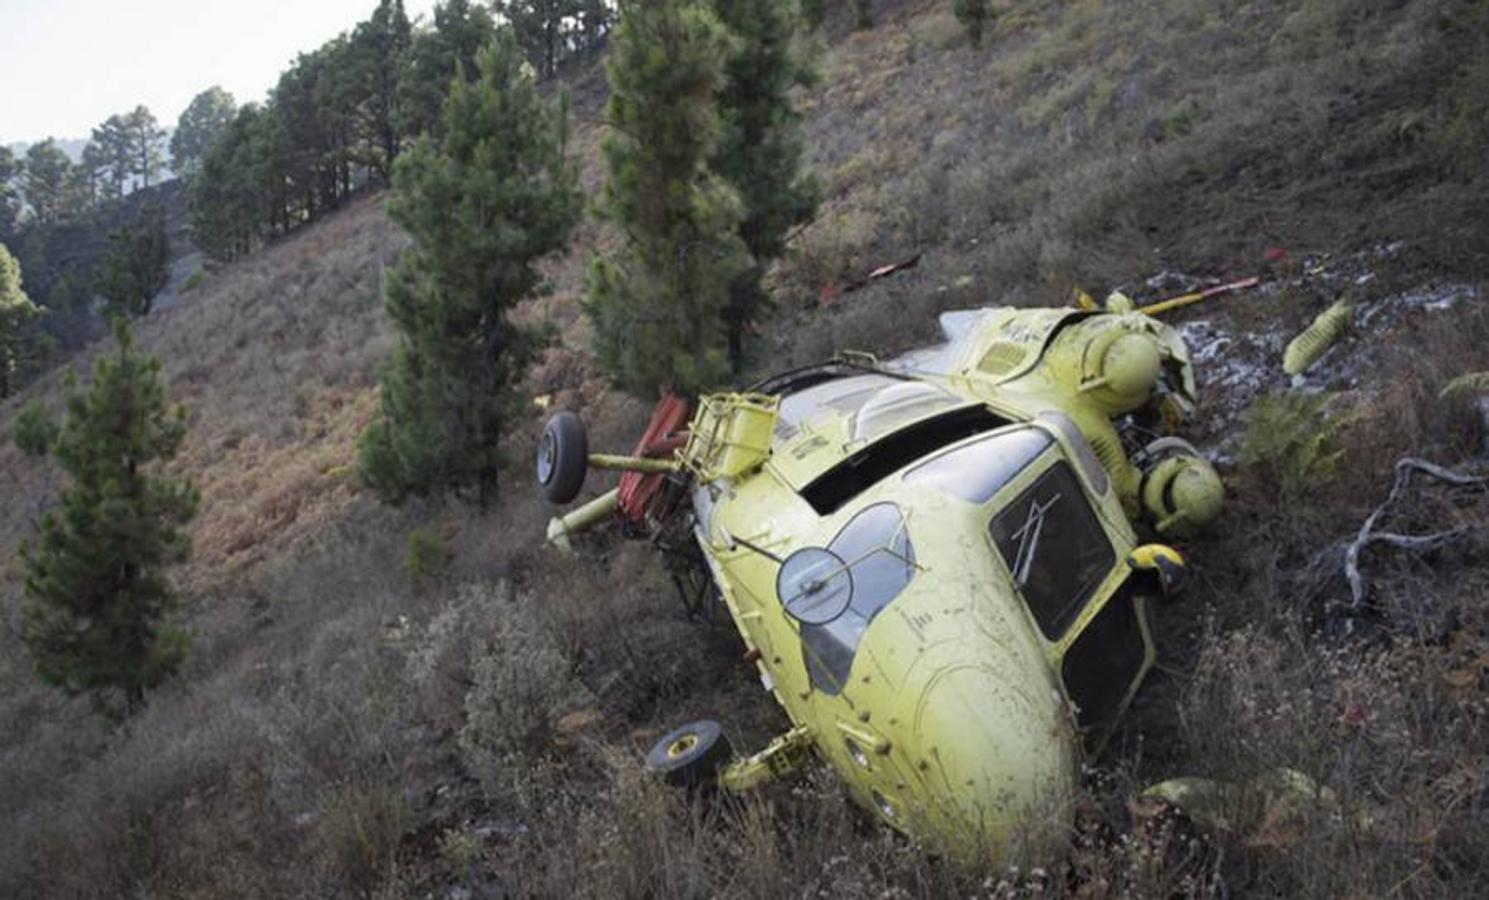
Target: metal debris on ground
{"x": 1271, "y": 810}
{"x": 1194, "y": 297}
{"x": 830, "y": 292}
{"x": 1307, "y": 348}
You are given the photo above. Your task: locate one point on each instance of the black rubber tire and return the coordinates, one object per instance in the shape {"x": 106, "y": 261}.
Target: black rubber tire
{"x": 563, "y": 458}
{"x": 707, "y": 752}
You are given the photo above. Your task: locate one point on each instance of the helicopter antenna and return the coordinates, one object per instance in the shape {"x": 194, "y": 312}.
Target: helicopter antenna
{"x": 731, "y": 542}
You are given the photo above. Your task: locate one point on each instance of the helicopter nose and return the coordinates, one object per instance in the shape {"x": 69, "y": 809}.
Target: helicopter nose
{"x": 1000, "y": 756}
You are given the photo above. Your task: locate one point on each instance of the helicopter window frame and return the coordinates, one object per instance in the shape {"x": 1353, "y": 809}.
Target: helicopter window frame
{"x": 842, "y": 393}
{"x": 1077, "y": 557}
{"x": 977, "y": 470}
{"x": 891, "y": 453}
{"x": 879, "y": 553}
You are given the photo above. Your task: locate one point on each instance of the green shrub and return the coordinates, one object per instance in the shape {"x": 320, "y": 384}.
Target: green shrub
{"x": 428, "y": 555}
{"x": 973, "y": 14}
{"x": 193, "y": 281}
{"x": 1291, "y": 440}
{"x": 35, "y": 432}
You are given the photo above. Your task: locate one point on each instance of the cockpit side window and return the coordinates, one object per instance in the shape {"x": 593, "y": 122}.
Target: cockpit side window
{"x": 1055, "y": 548}
{"x": 876, "y": 548}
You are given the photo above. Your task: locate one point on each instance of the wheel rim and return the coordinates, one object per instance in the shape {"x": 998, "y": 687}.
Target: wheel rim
{"x": 547, "y": 457}
{"x": 682, "y": 746}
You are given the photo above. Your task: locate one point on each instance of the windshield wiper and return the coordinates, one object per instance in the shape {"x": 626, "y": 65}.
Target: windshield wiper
{"x": 1028, "y": 538}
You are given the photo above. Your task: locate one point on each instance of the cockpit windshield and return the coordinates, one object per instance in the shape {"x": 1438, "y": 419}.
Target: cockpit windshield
{"x": 876, "y": 551}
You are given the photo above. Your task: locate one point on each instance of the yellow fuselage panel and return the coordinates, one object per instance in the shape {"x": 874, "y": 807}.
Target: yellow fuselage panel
{"x": 952, "y": 722}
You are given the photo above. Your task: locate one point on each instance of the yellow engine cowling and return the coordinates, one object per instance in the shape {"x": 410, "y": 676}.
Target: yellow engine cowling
{"x": 1181, "y": 491}
{"x": 1113, "y": 362}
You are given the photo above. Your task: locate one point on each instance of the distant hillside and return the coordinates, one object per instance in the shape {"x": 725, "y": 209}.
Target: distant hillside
{"x": 60, "y": 262}
{"x": 73, "y": 147}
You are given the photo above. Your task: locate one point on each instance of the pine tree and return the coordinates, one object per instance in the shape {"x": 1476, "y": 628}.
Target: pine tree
{"x": 137, "y": 266}
{"x": 542, "y": 28}
{"x": 45, "y": 180}
{"x": 113, "y": 156}
{"x": 760, "y": 150}
{"x": 436, "y": 55}
{"x": 594, "y": 21}
{"x": 297, "y": 148}
{"x": 143, "y": 136}
{"x": 378, "y": 49}
{"x": 659, "y": 303}
{"x": 91, "y": 174}
{"x": 497, "y": 195}
{"x": 203, "y": 120}
{"x": 10, "y": 195}
{"x": 34, "y": 431}
{"x": 98, "y": 607}
{"x": 225, "y": 203}
{"x": 18, "y": 317}
{"x": 813, "y": 11}
{"x": 973, "y": 14}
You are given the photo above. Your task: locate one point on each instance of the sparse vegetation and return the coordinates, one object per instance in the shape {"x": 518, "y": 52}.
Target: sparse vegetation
{"x": 428, "y": 555}
{"x": 521, "y": 686}
{"x": 973, "y": 14}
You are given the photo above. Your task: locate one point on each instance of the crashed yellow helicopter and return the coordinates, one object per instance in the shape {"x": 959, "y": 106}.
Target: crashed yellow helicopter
{"x": 934, "y": 561}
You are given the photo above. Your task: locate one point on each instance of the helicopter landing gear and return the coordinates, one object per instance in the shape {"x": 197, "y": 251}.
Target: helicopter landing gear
{"x": 691, "y": 755}
{"x": 698, "y": 753}
{"x": 563, "y": 458}
{"x": 782, "y": 758}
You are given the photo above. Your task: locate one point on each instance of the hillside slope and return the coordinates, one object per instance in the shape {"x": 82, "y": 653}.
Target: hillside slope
{"x": 348, "y": 725}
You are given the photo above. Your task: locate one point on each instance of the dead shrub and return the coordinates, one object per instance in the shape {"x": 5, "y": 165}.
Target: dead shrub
{"x": 358, "y": 834}
{"x": 521, "y": 683}
{"x": 1356, "y": 721}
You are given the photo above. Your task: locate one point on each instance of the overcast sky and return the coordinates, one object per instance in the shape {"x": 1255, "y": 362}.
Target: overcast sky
{"x": 66, "y": 65}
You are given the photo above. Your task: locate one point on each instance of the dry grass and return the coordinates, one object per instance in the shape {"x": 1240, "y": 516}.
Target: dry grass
{"x": 1089, "y": 142}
